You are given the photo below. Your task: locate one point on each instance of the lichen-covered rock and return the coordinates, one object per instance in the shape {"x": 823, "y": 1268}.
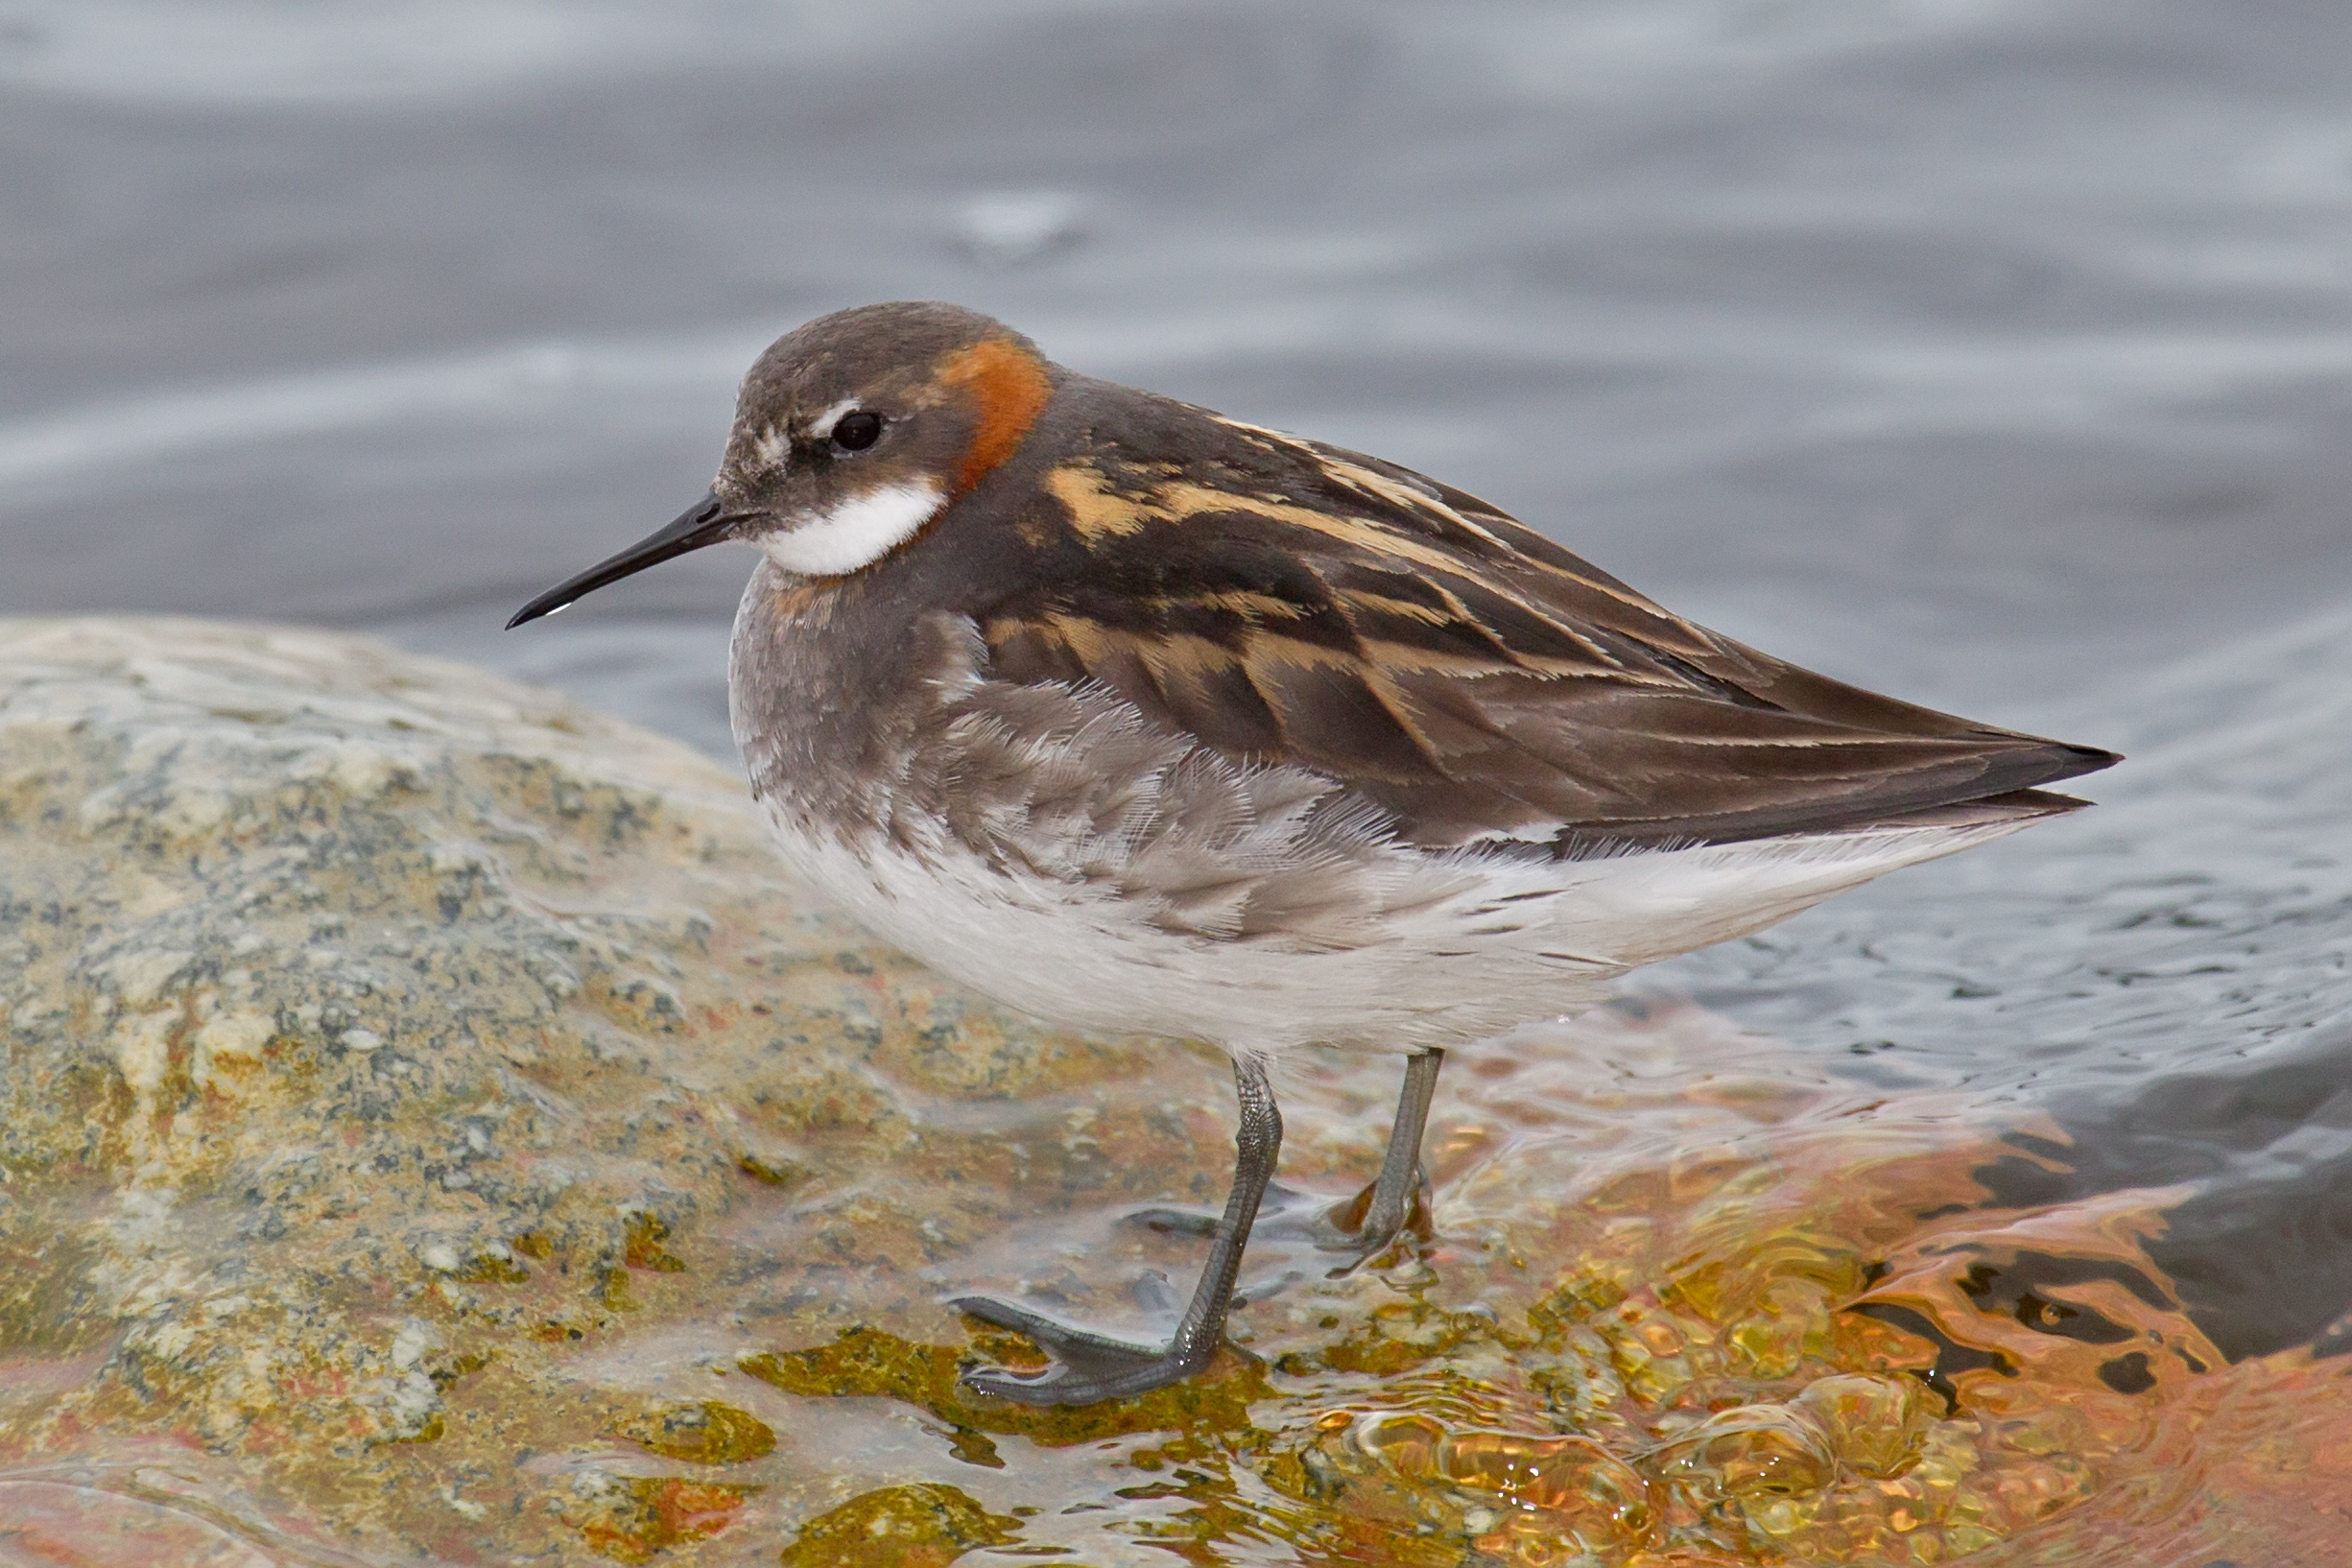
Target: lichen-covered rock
{"x": 384, "y": 1040}
{"x": 430, "y": 1130}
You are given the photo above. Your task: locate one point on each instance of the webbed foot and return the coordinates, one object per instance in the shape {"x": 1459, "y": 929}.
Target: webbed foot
{"x": 1348, "y": 1227}
{"x": 1087, "y": 1367}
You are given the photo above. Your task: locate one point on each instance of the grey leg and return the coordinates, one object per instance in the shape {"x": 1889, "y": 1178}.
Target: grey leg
{"x": 1089, "y": 1367}
{"x": 1400, "y": 1168}
{"x": 1365, "y": 1226}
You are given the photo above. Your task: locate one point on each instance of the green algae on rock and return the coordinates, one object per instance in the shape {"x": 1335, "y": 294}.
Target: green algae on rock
{"x": 430, "y": 1130}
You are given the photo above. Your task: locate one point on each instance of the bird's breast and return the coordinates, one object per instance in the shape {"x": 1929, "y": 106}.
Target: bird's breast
{"x": 831, "y": 698}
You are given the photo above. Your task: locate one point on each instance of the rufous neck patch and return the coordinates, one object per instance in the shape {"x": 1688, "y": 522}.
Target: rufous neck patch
{"x": 1010, "y": 386}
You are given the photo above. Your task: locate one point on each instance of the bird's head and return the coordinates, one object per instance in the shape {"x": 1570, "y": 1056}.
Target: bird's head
{"x": 851, "y": 435}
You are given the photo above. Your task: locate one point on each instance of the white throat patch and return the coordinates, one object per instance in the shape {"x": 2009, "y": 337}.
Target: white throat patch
{"x": 856, "y": 534}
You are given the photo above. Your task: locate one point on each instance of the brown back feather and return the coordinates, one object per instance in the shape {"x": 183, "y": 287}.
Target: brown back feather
{"x": 1289, "y": 602}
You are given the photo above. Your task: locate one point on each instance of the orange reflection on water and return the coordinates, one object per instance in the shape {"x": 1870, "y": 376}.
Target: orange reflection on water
{"x": 1683, "y": 1313}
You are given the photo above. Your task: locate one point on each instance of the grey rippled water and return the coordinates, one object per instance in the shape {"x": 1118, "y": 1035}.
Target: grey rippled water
{"x": 1996, "y": 352}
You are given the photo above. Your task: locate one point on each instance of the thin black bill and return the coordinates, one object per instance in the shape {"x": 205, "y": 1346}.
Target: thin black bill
{"x": 705, "y": 522}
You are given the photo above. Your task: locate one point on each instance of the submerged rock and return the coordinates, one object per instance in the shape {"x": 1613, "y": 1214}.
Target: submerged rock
{"x": 429, "y": 1129}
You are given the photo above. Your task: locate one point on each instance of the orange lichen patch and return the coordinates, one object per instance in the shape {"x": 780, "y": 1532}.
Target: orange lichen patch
{"x": 1008, "y": 387}
{"x": 644, "y": 1235}
{"x": 901, "y": 1527}
{"x": 633, "y": 1519}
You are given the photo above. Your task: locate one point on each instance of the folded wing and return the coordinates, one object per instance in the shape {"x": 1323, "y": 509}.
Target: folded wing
{"x": 1286, "y": 602}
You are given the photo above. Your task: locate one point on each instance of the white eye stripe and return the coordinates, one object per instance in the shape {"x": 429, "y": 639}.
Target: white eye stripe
{"x": 821, "y": 427}
{"x": 857, "y": 533}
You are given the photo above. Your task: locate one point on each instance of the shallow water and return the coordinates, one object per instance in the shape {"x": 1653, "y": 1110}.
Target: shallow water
{"x": 1996, "y": 354}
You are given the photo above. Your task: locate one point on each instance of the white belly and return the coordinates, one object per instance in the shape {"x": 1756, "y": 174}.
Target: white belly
{"x": 1464, "y": 947}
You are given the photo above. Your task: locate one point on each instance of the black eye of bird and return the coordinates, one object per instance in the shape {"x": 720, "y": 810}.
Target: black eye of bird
{"x": 857, "y": 430}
